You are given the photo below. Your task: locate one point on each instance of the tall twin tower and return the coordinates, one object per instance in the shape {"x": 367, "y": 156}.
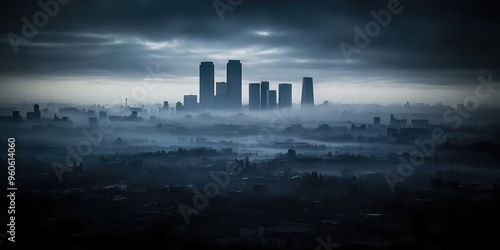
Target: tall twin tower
{"x": 228, "y": 94}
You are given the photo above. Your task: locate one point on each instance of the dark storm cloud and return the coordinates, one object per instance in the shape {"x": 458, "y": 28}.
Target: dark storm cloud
{"x": 111, "y": 37}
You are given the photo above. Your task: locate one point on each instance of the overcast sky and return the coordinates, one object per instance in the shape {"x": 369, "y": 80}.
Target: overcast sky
{"x": 96, "y": 51}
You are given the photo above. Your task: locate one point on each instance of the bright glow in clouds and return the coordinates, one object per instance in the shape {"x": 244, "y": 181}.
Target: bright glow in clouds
{"x": 263, "y": 33}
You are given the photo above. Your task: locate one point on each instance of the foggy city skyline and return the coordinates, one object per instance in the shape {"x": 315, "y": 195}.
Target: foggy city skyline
{"x": 250, "y": 124}
{"x": 276, "y": 41}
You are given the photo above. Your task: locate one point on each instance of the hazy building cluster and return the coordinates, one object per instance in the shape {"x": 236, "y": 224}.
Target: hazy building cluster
{"x": 227, "y": 95}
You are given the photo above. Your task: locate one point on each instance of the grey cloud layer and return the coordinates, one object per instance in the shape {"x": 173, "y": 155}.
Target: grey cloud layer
{"x": 427, "y": 40}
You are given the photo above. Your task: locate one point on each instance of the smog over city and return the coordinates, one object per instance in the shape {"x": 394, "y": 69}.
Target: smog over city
{"x": 238, "y": 124}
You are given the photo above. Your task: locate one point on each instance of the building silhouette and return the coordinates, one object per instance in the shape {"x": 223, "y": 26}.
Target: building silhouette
{"x": 102, "y": 115}
{"x": 398, "y": 123}
{"x": 16, "y": 117}
{"x": 376, "y": 122}
{"x": 179, "y": 107}
{"x": 234, "y": 83}
{"x": 307, "y": 92}
{"x": 165, "y": 106}
{"x": 264, "y": 87}
{"x": 68, "y": 111}
{"x": 35, "y": 115}
{"x": 221, "y": 88}
{"x": 285, "y": 95}
{"x": 36, "y": 111}
{"x": 254, "y": 96}
{"x": 190, "y": 102}
{"x": 221, "y": 99}
{"x": 206, "y": 85}
{"x": 93, "y": 122}
{"x": 271, "y": 99}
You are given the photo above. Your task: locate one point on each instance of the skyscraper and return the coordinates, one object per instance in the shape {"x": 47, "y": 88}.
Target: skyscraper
{"x": 35, "y": 115}
{"x": 285, "y": 95}
{"x": 221, "y": 88}
{"x": 307, "y": 92}
{"x": 221, "y": 97}
{"x": 271, "y": 99}
{"x": 178, "y": 106}
{"x": 234, "y": 83}
{"x": 264, "y": 87}
{"x": 254, "y": 96}
{"x": 376, "y": 122}
{"x": 165, "y": 106}
{"x": 190, "y": 102}
{"x": 206, "y": 85}
{"x": 16, "y": 117}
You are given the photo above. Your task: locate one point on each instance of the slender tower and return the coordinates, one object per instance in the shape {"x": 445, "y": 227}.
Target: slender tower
{"x": 206, "y": 85}
{"x": 254, "y": 96}
{"x": 271, "y": 99}
{"x": 307, "y": 92}
{"x": 234, "y": 83}
{"x": 285, "y": 95}
{"x": 264, "y": 87}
